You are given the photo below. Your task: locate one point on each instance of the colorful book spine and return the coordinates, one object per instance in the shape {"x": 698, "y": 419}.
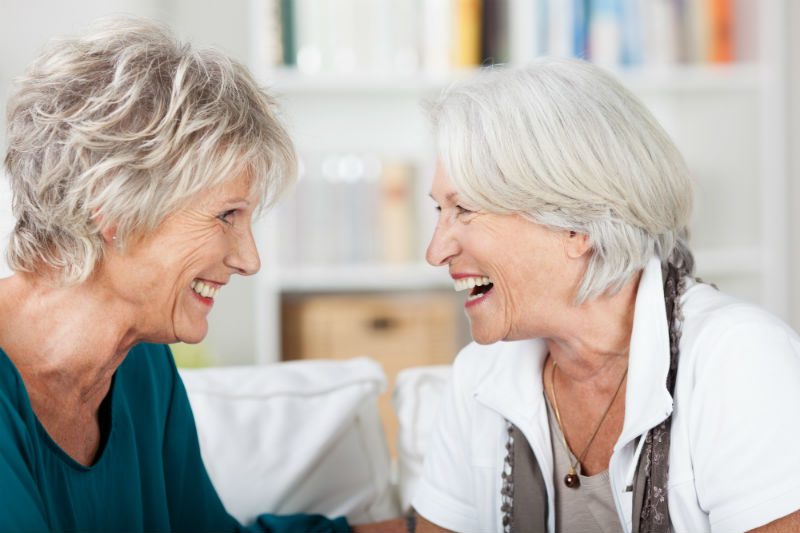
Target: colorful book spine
{"x": 745, "y": 30}
{"x": 720, "y": 19}
{"x": 632, "y": 30}
{"x": 288, "y": 44}
{"x": 310, "y": 27}
{"x": 466, "y": 48}
{"x": 525, "y": 30}
{"x": 437, "y": 35}
{"x": 580, "y": 28}
{"x": 560, "y": 28}
{"x": 494, "y": 32}
{"x": 606, "y": 34}
{"x": 396, "y": 216}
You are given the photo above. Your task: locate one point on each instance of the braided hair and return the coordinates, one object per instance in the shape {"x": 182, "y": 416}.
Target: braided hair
{"x": 654, "y": 462}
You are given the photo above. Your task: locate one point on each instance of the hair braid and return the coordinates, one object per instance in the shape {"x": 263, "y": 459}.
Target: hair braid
{"x": 655, "y": 508}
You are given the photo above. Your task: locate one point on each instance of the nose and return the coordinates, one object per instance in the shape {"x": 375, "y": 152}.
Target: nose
{"x": 243, "y": 256}
{"x": 443, "y": 247}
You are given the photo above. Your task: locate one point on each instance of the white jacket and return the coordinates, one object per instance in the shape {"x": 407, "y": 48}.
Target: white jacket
{"x": 734, "y": 456}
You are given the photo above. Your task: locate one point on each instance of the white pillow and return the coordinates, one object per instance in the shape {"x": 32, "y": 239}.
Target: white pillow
{"x": 295, "y": 437}
{"x": 416, "y": 397}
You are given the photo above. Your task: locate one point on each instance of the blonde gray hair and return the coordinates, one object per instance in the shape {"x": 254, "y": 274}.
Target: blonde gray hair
{"x": 566, "y": 145}
{"x": 119, "y": 128}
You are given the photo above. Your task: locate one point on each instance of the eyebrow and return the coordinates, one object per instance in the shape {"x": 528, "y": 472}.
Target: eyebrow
{"x": 449, "y": 196}
{"x": 237, "y": 200}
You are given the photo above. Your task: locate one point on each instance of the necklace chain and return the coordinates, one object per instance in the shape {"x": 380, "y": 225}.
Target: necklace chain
{"x": 571, "y": 479}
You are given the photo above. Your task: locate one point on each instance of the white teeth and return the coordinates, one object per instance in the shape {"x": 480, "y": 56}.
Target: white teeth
{"x": 470, "y": 283}
{"x": 206, "y": 291}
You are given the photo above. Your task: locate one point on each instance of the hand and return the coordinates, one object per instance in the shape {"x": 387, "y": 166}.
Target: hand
{"x": 398, "y": 525}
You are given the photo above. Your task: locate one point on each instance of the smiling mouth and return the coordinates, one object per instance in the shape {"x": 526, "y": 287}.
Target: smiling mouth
{"x": 479, "y": 291}
{"x": 477, "y": 285}
{"x": 204, "y": 289}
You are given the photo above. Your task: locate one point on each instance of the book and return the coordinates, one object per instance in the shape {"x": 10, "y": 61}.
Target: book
{"x": 661, "y": 23}
{"x": 560, "y": 28}
{"x": 605, "y": 32}
{"x": 396, "y": 214}
{"x": 266, "y": 32}
{"x": 720, "y": 22}
{"x": 466, "y": 47}
{"x": 580, "y": 27}
{"x": 632, "y": 52}
{"x": 696, "y": 31}
{"x": 745, "y": 30}
{"x": 339, "y": 36}
{"x": 288, "y": 45}
{"x": 309, "y": 17}
{"x": 494, "y": 32}
{"x": 437, "y": 35}
{"x": 526, "y": 23}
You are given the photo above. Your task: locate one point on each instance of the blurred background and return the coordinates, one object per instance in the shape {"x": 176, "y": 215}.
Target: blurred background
{"x": 343, "y": 262}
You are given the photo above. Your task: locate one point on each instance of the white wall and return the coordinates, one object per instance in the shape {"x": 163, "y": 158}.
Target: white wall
{"x": 794, "y": 160}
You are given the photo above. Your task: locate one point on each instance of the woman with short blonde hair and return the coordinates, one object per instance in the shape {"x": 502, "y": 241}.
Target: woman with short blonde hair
{"x": 136, "y": 164}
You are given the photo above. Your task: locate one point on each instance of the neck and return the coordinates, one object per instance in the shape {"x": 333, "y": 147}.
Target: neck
{"x": 592, "y": 343}
{"x": 64, "y": 340}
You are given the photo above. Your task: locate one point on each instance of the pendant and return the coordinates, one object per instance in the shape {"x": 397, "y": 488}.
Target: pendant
{"x": 572, "y": 480}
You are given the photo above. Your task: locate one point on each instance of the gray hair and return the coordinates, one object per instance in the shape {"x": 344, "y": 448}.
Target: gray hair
{"x": 119, "y": 128}
{"x": 566, "y": 145}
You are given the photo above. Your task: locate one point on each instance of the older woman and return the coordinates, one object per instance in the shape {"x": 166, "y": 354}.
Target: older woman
{"x": 607, "y": 389}
{"x": 136, "y": 164}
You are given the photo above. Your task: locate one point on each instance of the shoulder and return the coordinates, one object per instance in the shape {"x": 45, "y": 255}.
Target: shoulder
{"x": 725, "y": 339}
{"x": 707, "y": 309}
{"x": 10, "y": 382}
{"x": 17, "y": 422}
{"x": 715, "y": 323}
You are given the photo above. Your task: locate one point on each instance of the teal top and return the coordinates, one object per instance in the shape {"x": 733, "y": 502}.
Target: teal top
{"x": 148, "y": 475}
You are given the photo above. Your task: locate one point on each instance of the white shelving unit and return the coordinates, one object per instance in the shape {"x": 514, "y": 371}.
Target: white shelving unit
{"x": 729, "y": 122}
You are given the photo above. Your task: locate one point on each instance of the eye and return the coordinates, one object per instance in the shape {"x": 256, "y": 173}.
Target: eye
{"x": 227, "y": 216}
{"x": 462, "y": 210}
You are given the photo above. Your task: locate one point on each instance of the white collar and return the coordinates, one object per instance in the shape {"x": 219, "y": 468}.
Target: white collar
{"x": 647, "y": 400}
{"x": 512, "y": 386}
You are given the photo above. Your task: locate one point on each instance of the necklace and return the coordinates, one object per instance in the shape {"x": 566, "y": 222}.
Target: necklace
{"x": 572, "y": 480}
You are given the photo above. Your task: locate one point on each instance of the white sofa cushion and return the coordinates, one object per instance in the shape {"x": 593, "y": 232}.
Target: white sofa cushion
{"x": 293, "y": 437}
{"x": 416, "y": 397}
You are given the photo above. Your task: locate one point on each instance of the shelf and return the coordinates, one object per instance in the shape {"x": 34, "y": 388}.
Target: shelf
{"x": 676, "y": 78}
{"x": 290, "y": 81}
{"x": 366, "y": 277}
{"x": 342, "y": 278}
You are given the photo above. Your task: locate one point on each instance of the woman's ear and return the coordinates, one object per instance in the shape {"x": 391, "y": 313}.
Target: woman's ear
{"x": 576, "y": 244}
{"x": 109, "y": 235}
{"x": 108, "y": 232}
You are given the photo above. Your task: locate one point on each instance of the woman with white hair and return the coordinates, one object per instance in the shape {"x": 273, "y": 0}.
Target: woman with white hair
{"x": 607, "y": 390}
{"x": 136, "y": 164}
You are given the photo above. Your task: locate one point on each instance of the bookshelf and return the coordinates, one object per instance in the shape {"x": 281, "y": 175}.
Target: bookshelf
{"x": 728, "y": 119}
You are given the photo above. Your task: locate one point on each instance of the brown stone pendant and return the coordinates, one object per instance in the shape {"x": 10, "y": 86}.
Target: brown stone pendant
{"x": 572, "y": 480}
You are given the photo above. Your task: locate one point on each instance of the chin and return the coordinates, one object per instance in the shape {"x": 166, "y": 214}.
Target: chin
{"x": 484, "y": 337}
{"x": 194, "y": 335}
